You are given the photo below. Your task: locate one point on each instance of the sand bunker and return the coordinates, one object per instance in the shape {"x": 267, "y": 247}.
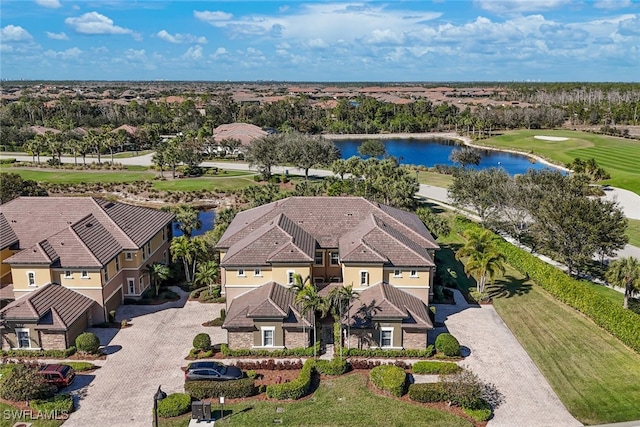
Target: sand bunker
{"x": 551, "y": 138}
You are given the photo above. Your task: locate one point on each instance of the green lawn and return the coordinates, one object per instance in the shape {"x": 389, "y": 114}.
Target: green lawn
{"x": 435, "y": 179}
{"x": 595, "y": 376}
{"x": 78, "y": 177}
{"x": 10, "y": 416}
{"x": 618, "y": 156}
{"x": 633, "y": 232}
{"x": 340, "y": 401}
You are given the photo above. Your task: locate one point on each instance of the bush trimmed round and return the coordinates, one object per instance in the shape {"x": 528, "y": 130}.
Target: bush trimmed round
{"x": 88, "y": 342}
{"x": 174, "y": 404}
{"x": 448, "y": 344}
{"x": 202, "y": 342}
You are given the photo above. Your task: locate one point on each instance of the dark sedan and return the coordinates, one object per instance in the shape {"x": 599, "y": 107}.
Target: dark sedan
{"x": 211, "y": 371}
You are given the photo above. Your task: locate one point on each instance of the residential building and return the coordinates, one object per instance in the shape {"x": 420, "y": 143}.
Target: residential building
{"x": 93, "y": 247}
{"x": 384, "y": 253}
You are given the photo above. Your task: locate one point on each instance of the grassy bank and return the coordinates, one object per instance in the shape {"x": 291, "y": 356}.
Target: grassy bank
{"x": 619, "y": 156}
{"x": 633, "y": 232}
{"x": 340, "y": 401}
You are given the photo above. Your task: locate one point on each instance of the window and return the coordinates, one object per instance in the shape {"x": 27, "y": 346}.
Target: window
{"x": 165, "y": 258}
{"x": 128, "y": 256}
{"x": 23, "y": 338}
{"x": 319, "y": 258}
{"x": 164, "y": 235}
{"x": 290, "y": 274}
{"x": 397, "y": 273}
{"x": 364, "y": 277}
{"x": 268, "y": 336}
{"x": 335, "y": 258}
{"x": 386, "y": 337}
{"x": 414, "y": 273}
{"x": 117, "y": 263}
{"x": 106, "y": 274}
{"x": 31, "y": 278}
{"x": 84, "y": 274}
{"x": 141, "y": 280}
{"x": 257, "y": 272}
{"x": 241, "y": 272}
{"x": 131, "y": 285}
{"x": 68, "y": 274}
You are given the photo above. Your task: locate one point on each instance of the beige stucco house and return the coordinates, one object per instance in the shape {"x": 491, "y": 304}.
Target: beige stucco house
{"x": 384, "y": 253}
{"x": 92, "y": 247}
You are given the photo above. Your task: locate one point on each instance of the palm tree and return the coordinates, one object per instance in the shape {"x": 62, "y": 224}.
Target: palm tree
{"x": 207, "y": 274}
{"x": 625, "y": 273}
{"x": 158, "y": 273}
{"x": 187, "y": 219}
{"x": 311, "y": 301}
{"x": 483, "y": 257}
{"x": 338, "y": 302}
{"x": 297, "y": 287}
{"x": 181, "y": 250}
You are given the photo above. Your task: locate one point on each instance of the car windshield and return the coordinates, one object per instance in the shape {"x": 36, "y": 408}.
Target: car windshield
{"x": 65, "y": 370}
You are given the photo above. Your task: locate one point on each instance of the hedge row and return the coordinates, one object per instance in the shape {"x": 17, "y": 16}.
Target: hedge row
{"x": 427, "y": 367}
{"x": 60, "y": 404}
{"x": 336, "y": 366}
{"x": 58, "y": 354}
{"x": 173, "y": 405}
{"x": 284, "y": 352}
{"x": 621, "y": 323}
{"x": 81, "y": 366}
{"x": 426, "y": 352}
{"x": 199, "y": 390}
{"x": 427, "y": 392}
{"x": 389, "y": 378}
{"x": 296, "y": 388}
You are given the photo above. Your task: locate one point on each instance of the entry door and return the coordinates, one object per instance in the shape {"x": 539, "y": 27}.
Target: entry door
{"x": 327, "y": 334}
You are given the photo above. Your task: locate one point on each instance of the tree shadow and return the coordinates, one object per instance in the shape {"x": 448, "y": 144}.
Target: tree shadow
{"x": 508, "y": 286}
{"x": 435, "y": 208}
{"x": 453, "y": 268}
{"x": 110, "y": 349}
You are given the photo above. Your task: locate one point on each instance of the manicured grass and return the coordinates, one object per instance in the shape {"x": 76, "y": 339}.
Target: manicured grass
{"x": 593, "y": 374}
{"x": 633, "y": 232}
{"x": 78, "y": 177}
{"x": 10, "y": 416}
{"x": 340, "y": 401}
{"x": 618, "y": 156}
{"x": 435, "y": 179}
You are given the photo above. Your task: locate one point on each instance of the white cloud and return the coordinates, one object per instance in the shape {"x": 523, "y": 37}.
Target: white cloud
{"x": 315, "y": 44}
{"x": 135, "y": 55}
{"x": 52, "y": 4}
{"x": 72, "y": 53}
{"x": 57, "y": 36}
{"x": 519, "y": 6}
{"x": 211, "y": 17}
{"x": 193, "y": 53}
{"x": 96, "y": 23}
{"x": 611, "y": 4}
{"x": 220, "y": 52}
{"x": 630, "y": 26}
{"x": 15, "y": 33}
{"x": 180, "y": 38}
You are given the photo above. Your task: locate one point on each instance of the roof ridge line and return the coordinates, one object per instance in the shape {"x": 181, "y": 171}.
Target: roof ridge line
{"x": 112, "y": 221}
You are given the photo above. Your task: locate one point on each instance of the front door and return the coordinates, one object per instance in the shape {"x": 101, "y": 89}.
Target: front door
{"x": 327, "y": 333}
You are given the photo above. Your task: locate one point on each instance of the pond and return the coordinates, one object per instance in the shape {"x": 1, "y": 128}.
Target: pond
{"x": 207, "y": 217}
{"x": 431, "y": 152}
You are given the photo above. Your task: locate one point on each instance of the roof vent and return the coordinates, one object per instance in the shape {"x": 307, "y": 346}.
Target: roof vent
{"x": 89, "y": 225}
{"x": 349, "y": 214}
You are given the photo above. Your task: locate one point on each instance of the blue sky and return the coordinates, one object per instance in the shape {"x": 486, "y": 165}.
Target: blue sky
{"x": 400, "y": 41}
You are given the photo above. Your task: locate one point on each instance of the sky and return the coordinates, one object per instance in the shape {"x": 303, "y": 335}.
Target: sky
{"x": 321, "y": 41}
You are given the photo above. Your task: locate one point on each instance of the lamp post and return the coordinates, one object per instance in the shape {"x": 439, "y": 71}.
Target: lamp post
{"x": 157, "y": 398}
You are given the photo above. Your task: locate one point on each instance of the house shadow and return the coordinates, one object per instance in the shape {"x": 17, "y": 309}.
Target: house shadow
{"x": 104, "y": 334}
{"x": 78, "y": 389}
{"x": 131, "y": 311}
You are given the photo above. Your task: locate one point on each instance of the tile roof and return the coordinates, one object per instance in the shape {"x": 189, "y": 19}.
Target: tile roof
{"x": 7, "y": 236}
{"x": 51, "y": 307}
{"x": 385, "y": 301}
{"x": 243, "y": 132}
{"x": 269, "y": 301}
{"x": 78, "y": 231}
{"x": 362, "y": 230}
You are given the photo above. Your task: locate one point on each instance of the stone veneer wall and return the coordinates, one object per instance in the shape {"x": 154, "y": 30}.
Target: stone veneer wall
{"x": 360, "y": 338}
{"x": 415, "y": 340}
{"x": 295, "y": 339}
{"x": 240, "y": 339}
{"x": 52, "y": 341}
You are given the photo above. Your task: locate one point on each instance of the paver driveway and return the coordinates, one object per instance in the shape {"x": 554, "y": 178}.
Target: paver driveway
{"x": 151, "y": 354}
{"x": 497, "y": 357}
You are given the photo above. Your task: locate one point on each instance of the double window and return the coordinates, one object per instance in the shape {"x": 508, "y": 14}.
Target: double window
{"x": 241, "y": 272}
{"x": 68, "y": 274}
{"x": 397, "y": 273}
{"x": 257, "y": 272}
{"x": 335, "y": 258}
{"x": 319, "y": 258}
{"x": 84, "y": 274}
{"x": 414, "y": 273}
{"x": 23, "y": 338}
{"x": 31, "y": 278}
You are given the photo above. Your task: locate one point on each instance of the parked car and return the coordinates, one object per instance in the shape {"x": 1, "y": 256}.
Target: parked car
{"x": 58, "y": 375}
{"x": 211, "y": 371}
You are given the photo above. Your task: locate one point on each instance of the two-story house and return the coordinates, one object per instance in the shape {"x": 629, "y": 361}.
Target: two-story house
{"x": 384, "y": 253}
{"x": 92, "y": 247}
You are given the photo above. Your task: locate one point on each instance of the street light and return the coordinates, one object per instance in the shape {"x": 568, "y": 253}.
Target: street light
{"x": 157, "y": 398}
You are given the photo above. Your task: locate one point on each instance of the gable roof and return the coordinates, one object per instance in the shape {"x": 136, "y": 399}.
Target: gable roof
{"x": 7, "y": 236}
{"x": 243, "y": 132}
{"x": 77, "y": 231}
{"x": 269, "y": 301}
{"x": 363, "y": 231}
{"x": 51, "y": 307}
{"x": 384, "y": 301}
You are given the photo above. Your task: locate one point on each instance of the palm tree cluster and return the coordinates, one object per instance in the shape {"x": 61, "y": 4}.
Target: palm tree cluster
{"x": 625, "y": 273}
{"x": 482, "y": 258}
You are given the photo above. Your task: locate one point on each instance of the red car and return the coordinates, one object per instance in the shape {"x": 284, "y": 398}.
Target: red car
{"x": 58, "y": 375}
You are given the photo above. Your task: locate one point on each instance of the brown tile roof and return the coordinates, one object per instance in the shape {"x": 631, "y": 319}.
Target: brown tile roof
{"x": 51, "y": 307}
{"x": 362, "y": 230}
{"x": 384, "y": 301}
{"x": 269, "y": 301}
{"x": 7, "y": 236}
{"x": 243, "y": 132}
{"x": 78, "y": 231}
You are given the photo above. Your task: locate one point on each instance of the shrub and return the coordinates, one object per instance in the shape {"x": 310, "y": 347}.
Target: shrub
{"x": 252, "y": 374}
{"x": 483, "y": 413}
{"x": 393, "y": 354}
{"x": 297, "y": 352}
{"x": 389, "y": 378}
{"x": 196, "y": 353}
{"x": 60, "y": 404}
{"x": 233, "y": 389}
{"x": 27, "y": 354}
{"x": 427, "y": 367}
{"x": 296, "y": 388}
{"x": 335, "y": 366}
{"x": 88, "y": 342}
{"x": 215, "y": 322}
{"x": 202, "y": 342}
{"x": 370, "y": 364}
{"x": 448, "y": 344}
{"x": 175, "y": 404}
{"x": 223, "y": 314}
{"x": 81, "y": 366}
{"x": 23, "y": 383}
{"x": 427, "y": 392}
{"x": 270, "y": 365}
{"x": 465, "y": 389}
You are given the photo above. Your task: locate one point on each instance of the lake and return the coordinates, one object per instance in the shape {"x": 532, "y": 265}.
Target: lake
{"x": 208, "y": 221}
{"x": 431, "y": 152}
